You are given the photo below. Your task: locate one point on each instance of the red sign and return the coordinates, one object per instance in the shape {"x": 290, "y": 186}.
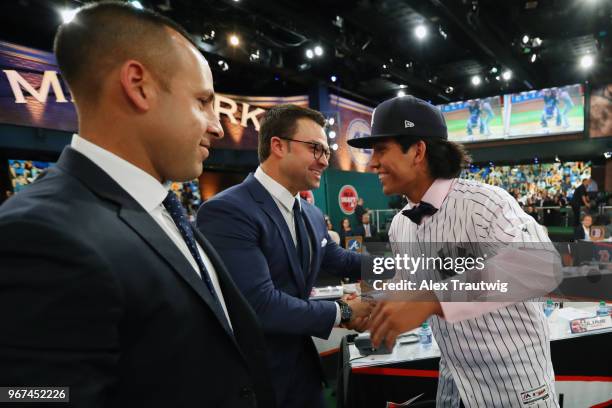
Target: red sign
{"x": 308, "y": 196}
{"x": 347, "y": 199}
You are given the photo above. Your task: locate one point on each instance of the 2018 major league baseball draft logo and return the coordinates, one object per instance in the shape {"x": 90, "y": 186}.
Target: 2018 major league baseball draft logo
{"x": 359, "y": 128}
{"x": 347, "y": 199}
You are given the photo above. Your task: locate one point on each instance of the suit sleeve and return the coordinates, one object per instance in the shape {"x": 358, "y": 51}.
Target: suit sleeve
{"x": 59, "y": 309}
{"x": 236, "y": 238}
{"x": 341, "y": 262}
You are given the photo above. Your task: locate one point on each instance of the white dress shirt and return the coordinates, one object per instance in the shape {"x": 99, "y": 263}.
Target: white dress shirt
{"x": 150, "y": 194}
{"x": 284, "y": 201}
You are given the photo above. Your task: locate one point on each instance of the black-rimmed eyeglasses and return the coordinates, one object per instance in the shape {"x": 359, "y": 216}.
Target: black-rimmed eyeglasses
{"x": 317, "y": 148}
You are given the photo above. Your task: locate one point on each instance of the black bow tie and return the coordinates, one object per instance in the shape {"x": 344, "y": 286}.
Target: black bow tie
{"x": 417, "y": 213}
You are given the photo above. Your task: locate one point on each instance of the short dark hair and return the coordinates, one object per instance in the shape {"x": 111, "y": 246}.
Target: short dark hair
{"x": 281, "y": 121}
{"x": 105, "y": 34}
{"x": 445, "y": 159}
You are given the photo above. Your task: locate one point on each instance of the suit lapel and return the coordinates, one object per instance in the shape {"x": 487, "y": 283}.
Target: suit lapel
{"x": 139, "y": 220}
{"x": 261, "y": 195}
{"x": 149, "y": 231}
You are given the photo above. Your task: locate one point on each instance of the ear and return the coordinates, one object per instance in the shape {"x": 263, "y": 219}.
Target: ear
{"x": 277, "y": 147}
{"x": 137, "y": 85}
{"x": 419, "y": 151}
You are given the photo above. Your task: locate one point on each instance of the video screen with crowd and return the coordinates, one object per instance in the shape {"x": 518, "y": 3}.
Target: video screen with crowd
{"x": 528, "y": 179}
{"x": 24, "y": 172}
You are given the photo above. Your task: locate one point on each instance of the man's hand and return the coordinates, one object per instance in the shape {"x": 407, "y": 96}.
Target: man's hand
{"x": 391, "y": 318}
{"x": 361, "y": 312}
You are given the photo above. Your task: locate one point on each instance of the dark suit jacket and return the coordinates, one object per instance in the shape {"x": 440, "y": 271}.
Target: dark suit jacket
{"x": 95, "y": 296}
{"x": 245, "y": 225}
{"x": 360, "y": 230}
{"x": 579, "y": 233}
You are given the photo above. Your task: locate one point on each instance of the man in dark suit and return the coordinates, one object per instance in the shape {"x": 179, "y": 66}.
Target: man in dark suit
{"x": 104, "y": 286}
{"x": 583, "y": 231}
{"x": 274, "y": 245}
{"x": 368, "y": 231}
{"x": 579, "y": 199}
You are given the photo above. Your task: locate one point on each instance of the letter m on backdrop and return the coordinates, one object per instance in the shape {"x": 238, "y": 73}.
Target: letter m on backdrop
{"x": 49, "y": 80}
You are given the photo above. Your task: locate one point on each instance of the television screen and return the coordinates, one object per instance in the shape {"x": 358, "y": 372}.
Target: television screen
{"x": 547, "y": 111}
{"x": 475, "y": 119}
{"x": 24, "y": 172}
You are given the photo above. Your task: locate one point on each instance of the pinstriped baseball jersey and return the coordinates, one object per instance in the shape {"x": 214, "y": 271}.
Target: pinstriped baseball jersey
{"x": 500, "y": 358}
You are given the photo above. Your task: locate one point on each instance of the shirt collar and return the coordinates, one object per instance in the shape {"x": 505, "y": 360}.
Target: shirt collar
{"x": 436, "y": 193}
{"x": 143, "y": 187}
{"x": 276, "y": 189}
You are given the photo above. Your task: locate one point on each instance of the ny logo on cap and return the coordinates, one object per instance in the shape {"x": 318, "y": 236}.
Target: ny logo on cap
{"x": 408, "y": 124}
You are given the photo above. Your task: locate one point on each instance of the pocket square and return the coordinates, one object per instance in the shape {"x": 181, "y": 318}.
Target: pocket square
{"x": 324, "y": 242}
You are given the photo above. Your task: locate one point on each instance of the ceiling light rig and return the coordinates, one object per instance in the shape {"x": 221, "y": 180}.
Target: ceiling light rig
{"x": 234, "y": 40}
{"x": 442, "y": 32}
{"x": 420, "y": 32}
{"x": 587, "y": 61}
{"x": 68, "y": 15}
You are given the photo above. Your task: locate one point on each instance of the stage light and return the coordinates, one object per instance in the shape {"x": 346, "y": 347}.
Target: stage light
{"x": 384, "y": 66}
{"x": 209, "y": 36}
{"x": 525, "y": 39}
{"x": 586, "y": 61}
{"x": 401, "y": 93}
{"x": 557, "y": 159}
{"x": 476, "y": 80}
{"x": 449, "y": 89}
{"x": 494, "y": 70}
{"x": 334, "y": 147}
{"x": 234, "y": 40}
{"x": 507, "y": 74}
{"x": 318, "y": 50}
{"x": 309, "y": 53}
{"x": 533, "y": 57}
{"x": 333, "y": 78}
{"x": 223, "y": 65}
{"x": 68, "y": 15}
{"x": 331, "y": 121}
{"x": 254, "y": 57}
{"x": 537, "y": 41}
{"x": 497, "y": 77}
{"x": 442, "y": 32}
{"x": 420, "y": 31}
{"x": 332, "y": 134}
{"x": 136, "y": 4}
{"x": 607, "y": 155}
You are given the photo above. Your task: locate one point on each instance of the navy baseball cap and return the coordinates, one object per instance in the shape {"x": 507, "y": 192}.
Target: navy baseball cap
{"x": 404, "y": 116}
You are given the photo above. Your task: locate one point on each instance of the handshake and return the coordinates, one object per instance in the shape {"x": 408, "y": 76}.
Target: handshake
{"x": 387, "y": 318}
{"x": 361, "y": 311}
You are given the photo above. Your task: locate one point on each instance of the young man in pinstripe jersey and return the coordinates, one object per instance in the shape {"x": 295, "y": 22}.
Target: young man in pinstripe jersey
{"x": 493, "y": 354}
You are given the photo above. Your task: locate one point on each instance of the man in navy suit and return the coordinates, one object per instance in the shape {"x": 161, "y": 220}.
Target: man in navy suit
{"x": 105, "y": 288}
{"x": 274, "y": 245}
{"x": 368, "y": 231}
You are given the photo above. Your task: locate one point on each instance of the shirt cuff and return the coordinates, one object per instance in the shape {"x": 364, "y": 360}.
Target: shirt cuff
{"x": 338, "y": 314}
